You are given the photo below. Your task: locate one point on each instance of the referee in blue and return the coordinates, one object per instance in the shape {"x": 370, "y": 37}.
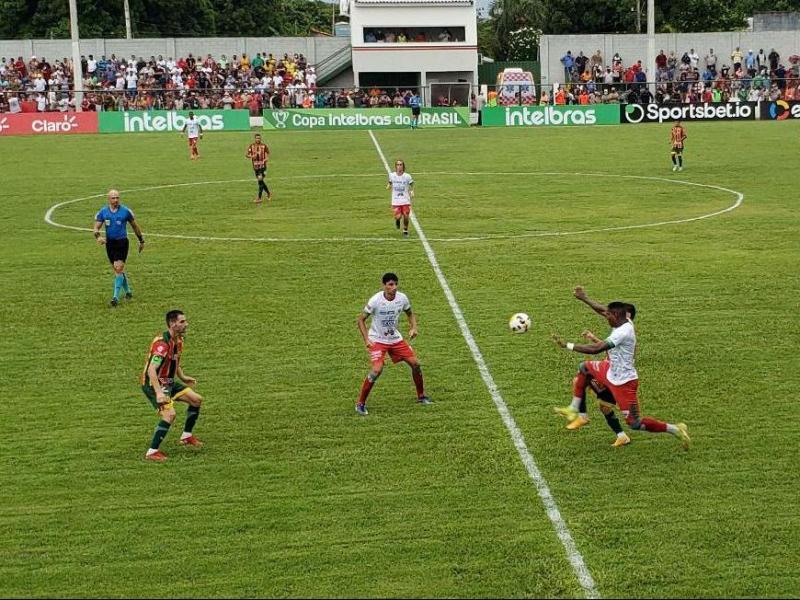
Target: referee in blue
{"x": 115, "y": 217}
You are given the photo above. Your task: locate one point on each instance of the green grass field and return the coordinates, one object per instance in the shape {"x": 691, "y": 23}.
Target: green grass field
{"x": 294, "y": 494}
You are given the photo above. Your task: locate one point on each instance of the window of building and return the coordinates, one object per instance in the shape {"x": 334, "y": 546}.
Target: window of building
{"x": 402, "y": 35}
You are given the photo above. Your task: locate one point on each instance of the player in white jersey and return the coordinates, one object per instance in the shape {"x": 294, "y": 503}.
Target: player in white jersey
{"x": 384, "y": 337}
{"x": 402, "y": 186}
{"x": 193, "y": 132}
{"x": 617, "y": 373}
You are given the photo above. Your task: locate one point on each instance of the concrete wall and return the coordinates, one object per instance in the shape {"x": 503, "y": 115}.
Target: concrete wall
{"x": 342, "y": 80}
{"x": 314, "y": 48}
{"x": 633, "y": 47}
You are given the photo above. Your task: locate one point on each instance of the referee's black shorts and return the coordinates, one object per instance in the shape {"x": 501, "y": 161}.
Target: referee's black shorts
{"x": 415, "y": 111}
{"x": 117, "y": 250}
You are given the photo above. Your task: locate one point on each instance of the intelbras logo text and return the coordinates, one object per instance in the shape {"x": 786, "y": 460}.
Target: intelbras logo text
{"x": 548, "y": 115}
{"x": 655, "y": 113}
{"x": 169, "y": 122}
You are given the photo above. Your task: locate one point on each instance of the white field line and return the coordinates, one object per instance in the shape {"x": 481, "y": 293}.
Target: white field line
{"x": 48, "y": 217}
{"x": 543, "y": 489}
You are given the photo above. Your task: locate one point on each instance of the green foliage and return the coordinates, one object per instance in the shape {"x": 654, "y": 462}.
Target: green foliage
{"x": 523, "y": 44}
{"x": 559, "y": 17}
{"x": 172, "y": 17}
{"x": 507, "y": 16}
{"x": 589, "y": 16}
{"x": 155, "y": 18}
{"x": 704, "y": 15}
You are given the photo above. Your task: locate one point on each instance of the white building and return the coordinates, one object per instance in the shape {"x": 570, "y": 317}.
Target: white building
{"x": 413, "y": 43}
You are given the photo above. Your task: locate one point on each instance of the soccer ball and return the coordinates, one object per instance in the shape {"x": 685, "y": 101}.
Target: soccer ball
{"x": 519, "y": 323}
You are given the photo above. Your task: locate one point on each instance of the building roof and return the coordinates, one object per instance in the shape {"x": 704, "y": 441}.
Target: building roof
{"x": 414, "y": 2}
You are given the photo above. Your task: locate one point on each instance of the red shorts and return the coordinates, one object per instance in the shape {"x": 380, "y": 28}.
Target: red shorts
{"x": 401, "y": 210}
{"x": 192, "y": 142}
{"x": 397, "y": 352}
{"x": 624, "y": 394}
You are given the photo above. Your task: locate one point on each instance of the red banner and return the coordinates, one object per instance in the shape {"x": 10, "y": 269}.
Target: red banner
{"x": 48, "y": 123}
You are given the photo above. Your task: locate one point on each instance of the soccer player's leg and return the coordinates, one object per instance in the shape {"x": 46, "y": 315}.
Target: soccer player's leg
{"x": 629, "y": 405}
{"x": 680, "y": 159}
{"x": 606, "y": 403}
{"x": 406, "y": 213}
{"x": 181, "y": 393}
{"x": 376, "y": 354}
{"x": 674, "y": 159}
{"x": 117, "y": 252}
{"x": 397, "y": 211}
{"x": 166, "y": 414}
{"x": 126, "y": 284}
{"x": 403, "y": 352}
{"x": 260, "y": 179}
{"x": 576, "y": 411}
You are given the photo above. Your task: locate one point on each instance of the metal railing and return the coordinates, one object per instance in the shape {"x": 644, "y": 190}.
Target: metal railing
{"x": 437, "y": 94}
{"x": 684, "y": 92}
{"x": 330, "y": 66}
{"x": 251, "y": 99}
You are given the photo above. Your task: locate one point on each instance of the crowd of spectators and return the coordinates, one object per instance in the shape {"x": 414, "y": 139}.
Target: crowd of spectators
{"x": 266, "y": 81}
{"x": 750, "y": 77}
{"x": 374, "y": 35}
{"x": 239, "y": 82}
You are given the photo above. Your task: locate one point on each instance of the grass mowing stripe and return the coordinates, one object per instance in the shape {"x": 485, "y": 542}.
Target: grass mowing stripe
{"x": 543, "y": 489}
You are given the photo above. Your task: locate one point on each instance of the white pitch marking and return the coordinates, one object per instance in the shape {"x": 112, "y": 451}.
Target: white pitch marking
{"x": 500, "y": 236}
{"x": 562, "y": 530}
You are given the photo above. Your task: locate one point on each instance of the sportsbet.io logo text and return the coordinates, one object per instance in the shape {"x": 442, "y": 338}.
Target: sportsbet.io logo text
{"x": 134, "y": 122}
{"x": 655, "y": 113}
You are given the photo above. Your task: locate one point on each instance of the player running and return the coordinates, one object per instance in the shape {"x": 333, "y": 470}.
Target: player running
{"x": 193, "y": 132}
{"x": 383, "y": 337}
{"x": 617, "y": 373}
{"x": 163, "y": 382}
{"x": 258, "y": 152}
{"x": 402, "y": 186}
{"x": 677, "y": 137}
{"x": 115, "y": 217}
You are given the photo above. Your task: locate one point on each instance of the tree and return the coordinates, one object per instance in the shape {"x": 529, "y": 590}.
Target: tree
{"x": 704, "y": 15}
{"x": 157, "y": 18}
{"x": 512, "y": 15}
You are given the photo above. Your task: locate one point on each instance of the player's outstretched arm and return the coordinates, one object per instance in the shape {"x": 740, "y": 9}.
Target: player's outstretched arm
{"x": 580, "y": 294}
{"x": 595, "y": 348}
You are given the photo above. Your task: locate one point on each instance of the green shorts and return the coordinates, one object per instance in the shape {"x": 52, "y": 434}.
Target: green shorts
{"x": 176, "y": 391}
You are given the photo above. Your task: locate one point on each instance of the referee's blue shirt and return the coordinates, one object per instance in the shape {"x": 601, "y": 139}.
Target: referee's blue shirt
{"x": 116, "y": 221}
